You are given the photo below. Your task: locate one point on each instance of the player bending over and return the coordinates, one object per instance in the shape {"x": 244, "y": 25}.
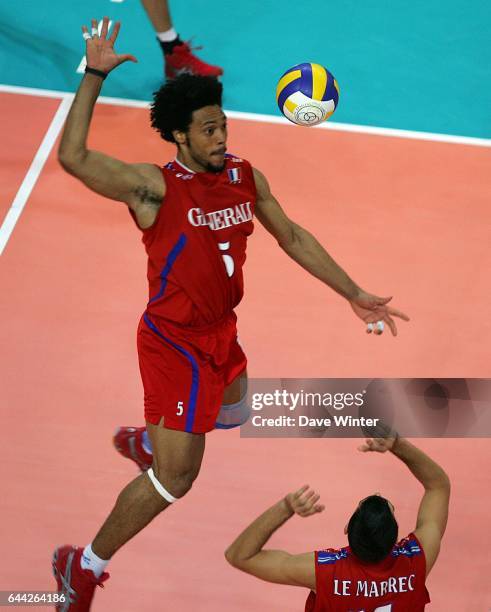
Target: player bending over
{"x": 195, "y": 215}
{"x": 375, "y": 573}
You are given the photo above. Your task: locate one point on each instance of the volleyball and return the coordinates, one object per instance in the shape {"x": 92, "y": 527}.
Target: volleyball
{"x": 307, "y": 94}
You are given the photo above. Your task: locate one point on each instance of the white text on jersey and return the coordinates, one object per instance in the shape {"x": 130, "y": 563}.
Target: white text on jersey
{"x": 220, "y": 219}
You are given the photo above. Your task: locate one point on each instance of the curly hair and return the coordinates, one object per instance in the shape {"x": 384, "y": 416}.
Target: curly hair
{"x": 174, "y": 103}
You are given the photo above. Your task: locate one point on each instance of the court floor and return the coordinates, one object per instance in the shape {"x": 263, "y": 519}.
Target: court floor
{"x": 405, "y": 217}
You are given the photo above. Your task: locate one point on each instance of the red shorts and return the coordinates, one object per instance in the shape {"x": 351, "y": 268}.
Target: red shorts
{"x": 186, "y": 371}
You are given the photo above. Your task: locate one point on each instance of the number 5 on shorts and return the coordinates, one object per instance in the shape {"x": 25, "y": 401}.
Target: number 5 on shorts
{"x": 180, "y": 408}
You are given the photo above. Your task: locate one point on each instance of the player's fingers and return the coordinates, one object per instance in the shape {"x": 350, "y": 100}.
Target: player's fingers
{"x": 381, "y": 301}
{"x": 299, "y": 492}
{"x": 85, "y": 33}
{"x": 115, "y": 32}
{"x": 315, "y": 509}
{"x": 105, "y": 27}
{"x": 304, "y": 500}
{"x": 309, "y": 512}
{"x": 392, "y": 325}
{"x": 397, "y": 313}
{"x": 378, "y": 329}
{"x": 94, "y": 28}
{"x": 127, "y": 57}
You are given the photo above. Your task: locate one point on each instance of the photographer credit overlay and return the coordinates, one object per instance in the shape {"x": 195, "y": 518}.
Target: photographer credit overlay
{"x": 365, "y": 407}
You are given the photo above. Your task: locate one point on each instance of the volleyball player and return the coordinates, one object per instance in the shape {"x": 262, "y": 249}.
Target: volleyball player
{"x": 195, "y": 215}
{"x": 375, "y": 572}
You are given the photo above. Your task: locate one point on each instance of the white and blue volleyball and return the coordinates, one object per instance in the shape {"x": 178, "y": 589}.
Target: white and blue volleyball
{"x": 307, "y": 94}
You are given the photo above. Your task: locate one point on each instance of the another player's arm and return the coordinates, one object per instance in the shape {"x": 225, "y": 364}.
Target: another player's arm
{"x": 300, "y": 244}
{"x": 141, "y": 186}
{"x": 433, "y": 509}
{"x": 247, "y": 553}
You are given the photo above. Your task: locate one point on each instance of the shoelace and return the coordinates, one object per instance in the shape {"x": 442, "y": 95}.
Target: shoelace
{"x": 67, "y": 590}
{"x": 189, "y": 43}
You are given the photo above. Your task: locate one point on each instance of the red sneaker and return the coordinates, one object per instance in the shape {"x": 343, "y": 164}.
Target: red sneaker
{"x": 128, "y": 442}
{"x": 181, "y": 60}
{"x": 77, "y": 585}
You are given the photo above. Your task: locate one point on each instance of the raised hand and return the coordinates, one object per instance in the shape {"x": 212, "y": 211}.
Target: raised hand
{"x": 304, "y": 502}
{"x": 377, "y": 445}
{"x": 100, "y": 49}
{"x": 371, "y": 309}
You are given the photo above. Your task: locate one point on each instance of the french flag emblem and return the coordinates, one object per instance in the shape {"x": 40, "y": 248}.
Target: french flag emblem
{"x": 233, "y": 175}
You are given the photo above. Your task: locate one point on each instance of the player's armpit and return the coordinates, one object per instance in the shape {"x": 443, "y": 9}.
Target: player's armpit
{"x": 135, "y": 184}
{"x": 270, "y": 214}
{"x": 281, "y": 567}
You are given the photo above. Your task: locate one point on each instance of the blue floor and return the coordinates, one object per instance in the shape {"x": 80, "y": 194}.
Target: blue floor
{"x": 420, "y": 65}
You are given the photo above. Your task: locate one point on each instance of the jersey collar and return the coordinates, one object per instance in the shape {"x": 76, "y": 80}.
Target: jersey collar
{"x": 184, "y": 167}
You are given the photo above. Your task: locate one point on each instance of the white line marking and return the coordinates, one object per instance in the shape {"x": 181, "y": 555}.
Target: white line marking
{"x": 32, "y": 91}
{"x": 83, "y": 62}
{"x": 34, "y": 171}
{"x": 343, "y": 127}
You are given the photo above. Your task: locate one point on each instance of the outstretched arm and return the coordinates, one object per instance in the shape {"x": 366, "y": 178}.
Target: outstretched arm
{"x": 141, "y": 186}
{"x": 246, "y": 552}
{"x": 303, "y": 247}
{"x": 433, "y": 510}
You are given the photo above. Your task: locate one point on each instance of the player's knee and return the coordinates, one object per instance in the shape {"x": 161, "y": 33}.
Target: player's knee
{"x": 233, "y": 415}
{"x": 176, "y": 482}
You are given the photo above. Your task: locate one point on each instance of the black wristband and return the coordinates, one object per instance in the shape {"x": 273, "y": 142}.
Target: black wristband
{"x": 98, "y": 73}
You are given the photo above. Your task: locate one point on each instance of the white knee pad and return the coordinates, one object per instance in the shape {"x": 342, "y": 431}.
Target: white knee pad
{"x": 233, "y": 415}
{"x": 159, "y": 488}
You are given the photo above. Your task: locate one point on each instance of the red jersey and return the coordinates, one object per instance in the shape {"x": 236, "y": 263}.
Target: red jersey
{"x": 197, "y": 245}
{"x": 346, "y": 584}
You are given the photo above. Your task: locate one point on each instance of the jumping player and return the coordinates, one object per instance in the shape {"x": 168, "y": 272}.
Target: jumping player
{"x": 178, "y": 56}
{"x": 195, "y": 215}
{"x": 375, "y": 573}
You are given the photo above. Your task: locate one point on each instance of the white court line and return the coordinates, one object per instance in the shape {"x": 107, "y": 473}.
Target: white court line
{"x": 331, "y": 125}
{"x": 34, "y": 171}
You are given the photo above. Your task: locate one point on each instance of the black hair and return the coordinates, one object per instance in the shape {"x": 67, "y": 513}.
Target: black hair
{"x": 372, "y": 529}
{"x": 174, "y": 103}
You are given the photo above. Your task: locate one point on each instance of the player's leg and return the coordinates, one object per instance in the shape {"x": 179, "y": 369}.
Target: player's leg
{"x": 235, "y": 410}
{"x": 178, "y": 57}
{"x": 177, "y": 460}
{"x": 134, "y": 442}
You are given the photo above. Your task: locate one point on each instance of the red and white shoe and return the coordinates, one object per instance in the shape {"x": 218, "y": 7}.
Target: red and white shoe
{"x": 77, "y": 585}
{"x": 182, "y": 60}
{"x": 128, "y": 442}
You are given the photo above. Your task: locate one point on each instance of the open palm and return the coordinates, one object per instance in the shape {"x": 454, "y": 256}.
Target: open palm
{"x": 100, "y": 49}
{"x": 371, "y": 308}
